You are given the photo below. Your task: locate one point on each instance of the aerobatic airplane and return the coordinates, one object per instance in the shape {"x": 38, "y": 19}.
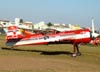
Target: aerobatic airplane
{"x": 17, "y": 37}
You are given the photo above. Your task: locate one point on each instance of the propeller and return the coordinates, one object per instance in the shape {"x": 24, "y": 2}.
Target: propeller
{"x": 93, "y": 34}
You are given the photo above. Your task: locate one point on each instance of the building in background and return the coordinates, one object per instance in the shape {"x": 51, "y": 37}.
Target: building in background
{"x": 40, "y": 26}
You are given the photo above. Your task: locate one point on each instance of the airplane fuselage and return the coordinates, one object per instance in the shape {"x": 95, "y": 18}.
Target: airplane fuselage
{"x": 74, "y": 36}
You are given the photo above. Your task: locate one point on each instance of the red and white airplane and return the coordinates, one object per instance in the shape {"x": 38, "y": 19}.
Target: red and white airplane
{"x": 15, "y": 37}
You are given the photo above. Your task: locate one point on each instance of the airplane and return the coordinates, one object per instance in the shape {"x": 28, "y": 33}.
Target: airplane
{"x": 17, "y": 37}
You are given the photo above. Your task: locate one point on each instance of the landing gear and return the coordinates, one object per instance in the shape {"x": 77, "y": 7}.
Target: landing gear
{"x": 76, "y": 51}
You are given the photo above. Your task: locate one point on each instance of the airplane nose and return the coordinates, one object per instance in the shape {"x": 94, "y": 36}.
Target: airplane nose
{"x": 93, "y": 35}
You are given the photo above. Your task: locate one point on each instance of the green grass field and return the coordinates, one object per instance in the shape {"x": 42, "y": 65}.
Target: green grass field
{"x": 48, "y": 58}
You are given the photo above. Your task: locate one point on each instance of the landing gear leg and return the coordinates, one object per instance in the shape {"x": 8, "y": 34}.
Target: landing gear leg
{"x": 76, "y": 51}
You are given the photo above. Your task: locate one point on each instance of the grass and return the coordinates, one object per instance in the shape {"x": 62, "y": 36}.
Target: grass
{"x": 54, "y": 58}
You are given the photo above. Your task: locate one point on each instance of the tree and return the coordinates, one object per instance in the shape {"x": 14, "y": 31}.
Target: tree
{"x": 21, "y": 20}
{"x": 49, "y": 24}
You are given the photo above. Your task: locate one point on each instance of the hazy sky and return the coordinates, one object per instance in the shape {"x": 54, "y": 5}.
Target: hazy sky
{"x": 55, "y": 11}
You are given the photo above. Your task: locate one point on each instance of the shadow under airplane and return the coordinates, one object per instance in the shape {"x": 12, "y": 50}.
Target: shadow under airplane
{"x": 40, "y": 51}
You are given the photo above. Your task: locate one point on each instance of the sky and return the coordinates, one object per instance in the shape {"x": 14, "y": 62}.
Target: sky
{"x": 54, "y": 11}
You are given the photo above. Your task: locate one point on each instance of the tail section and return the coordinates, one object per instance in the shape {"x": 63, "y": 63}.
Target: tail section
{"x": 13, "y": 35}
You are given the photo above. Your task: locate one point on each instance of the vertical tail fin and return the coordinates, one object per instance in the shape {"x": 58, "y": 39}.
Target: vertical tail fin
{"x": 13, "y": 33}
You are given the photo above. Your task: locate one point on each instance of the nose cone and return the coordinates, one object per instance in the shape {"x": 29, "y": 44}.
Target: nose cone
{"x": 95, "y": 35}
